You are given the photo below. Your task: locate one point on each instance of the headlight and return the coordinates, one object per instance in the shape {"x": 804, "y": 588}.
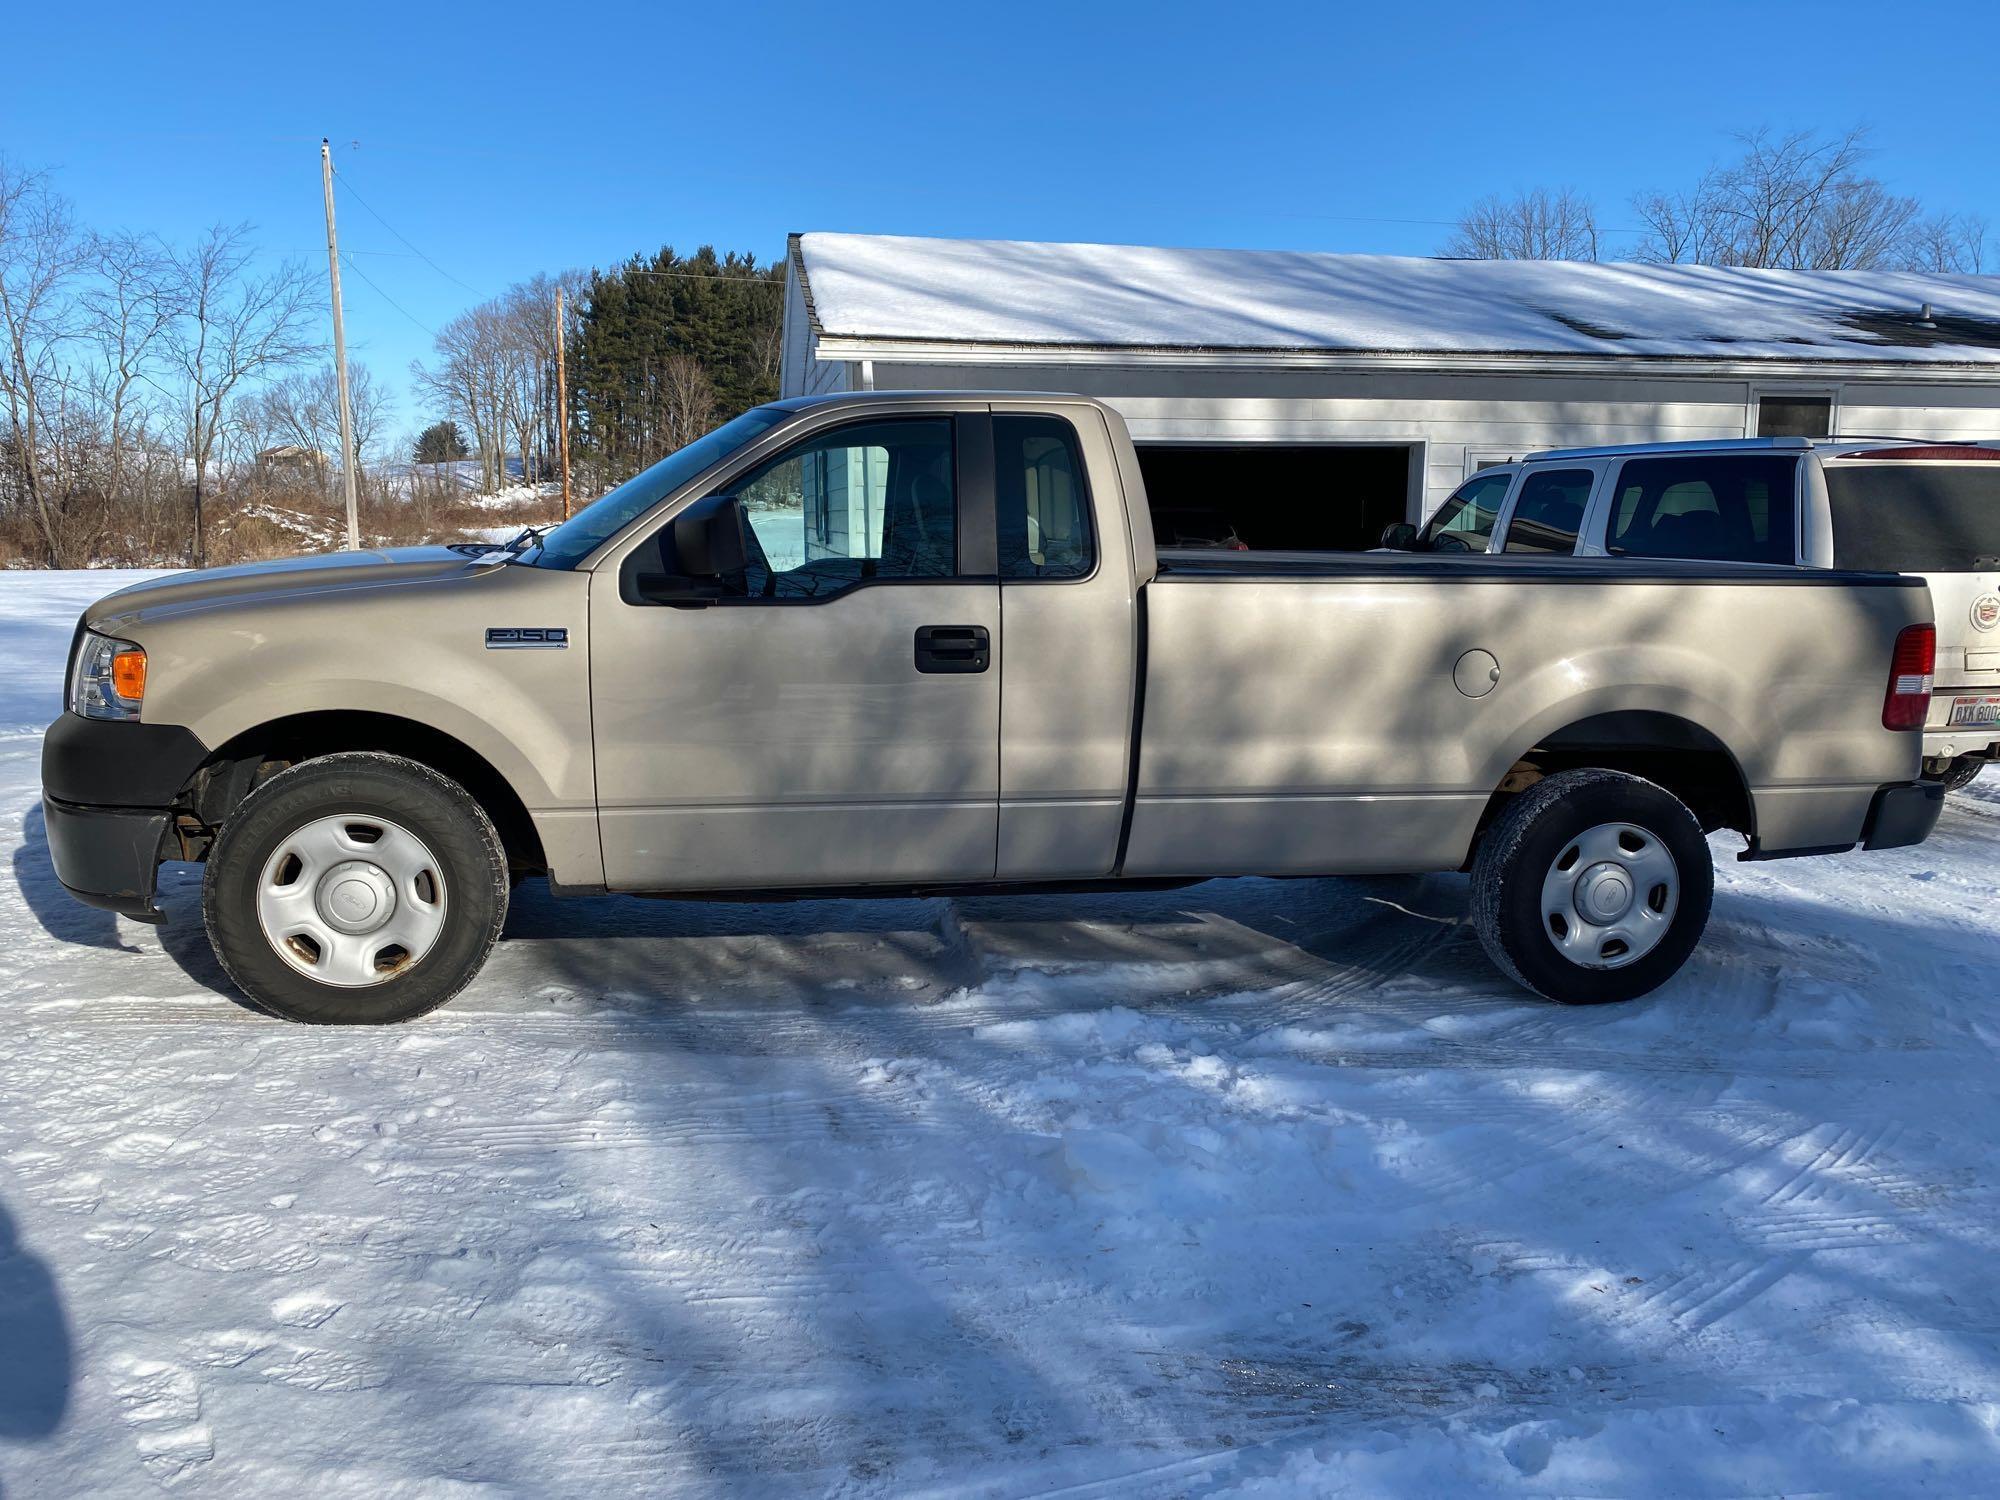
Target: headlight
{"x": 107, "y": 678}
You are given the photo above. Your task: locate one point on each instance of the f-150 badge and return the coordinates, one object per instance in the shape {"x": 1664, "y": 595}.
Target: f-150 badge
{"x": 527, "y": 638}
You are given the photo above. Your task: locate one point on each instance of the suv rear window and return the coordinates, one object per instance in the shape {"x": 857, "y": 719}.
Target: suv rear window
{"x": 1915, "y": 518}
{"x": 1737, "y": 507}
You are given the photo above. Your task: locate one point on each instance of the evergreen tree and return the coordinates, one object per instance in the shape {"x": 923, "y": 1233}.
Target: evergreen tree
{"x": 640, "y": 326}
{"x": 440, "y": 443}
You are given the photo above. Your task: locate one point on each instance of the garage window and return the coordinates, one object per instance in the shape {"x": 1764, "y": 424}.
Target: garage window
{"x": 1794, "y": 416}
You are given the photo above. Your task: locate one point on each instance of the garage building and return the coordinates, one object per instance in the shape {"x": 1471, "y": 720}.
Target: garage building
{"x": 1292, "y": 399}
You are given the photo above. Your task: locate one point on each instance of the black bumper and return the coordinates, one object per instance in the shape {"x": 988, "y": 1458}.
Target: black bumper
{"x": 112, "y": 763}
{"x": 106, "y": 790}
{"x": 1902, "y": 815}
{"x": 108, "y": 856}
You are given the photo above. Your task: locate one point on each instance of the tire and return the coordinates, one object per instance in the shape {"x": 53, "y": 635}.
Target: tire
{"x": 400, "y": 857}
{"x": 1963, "y": 771}
{"x": 1564, "y": 817}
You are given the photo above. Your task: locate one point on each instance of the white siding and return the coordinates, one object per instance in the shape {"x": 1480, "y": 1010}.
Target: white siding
{"x": 1497, "y": 415}
{"x": 801, "y": 372}
{"x": 1457, "y": 418}
{"x": 1926, "y": 411}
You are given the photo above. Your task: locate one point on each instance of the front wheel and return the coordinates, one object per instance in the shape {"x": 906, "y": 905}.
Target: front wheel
{"x": 1592, "y": 886}
{"x": 355, "y": 888}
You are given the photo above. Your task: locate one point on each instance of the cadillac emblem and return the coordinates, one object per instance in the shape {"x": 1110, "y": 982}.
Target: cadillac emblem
{"x": 1986, "y": 611}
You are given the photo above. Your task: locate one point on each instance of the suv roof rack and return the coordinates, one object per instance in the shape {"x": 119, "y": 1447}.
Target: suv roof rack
{"x": 1705, "y": 445}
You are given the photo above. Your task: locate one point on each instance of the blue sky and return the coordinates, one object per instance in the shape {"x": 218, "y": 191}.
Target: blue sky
{"x": 501, "y": 139}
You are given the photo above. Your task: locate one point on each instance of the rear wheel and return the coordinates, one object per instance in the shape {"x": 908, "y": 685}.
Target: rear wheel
{"x": 1960, "y": 772}
{"x": 356, "y": 888}
{"x": 1592, "y": 886}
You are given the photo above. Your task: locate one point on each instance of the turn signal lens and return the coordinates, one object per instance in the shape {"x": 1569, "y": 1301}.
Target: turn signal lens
{"x": 128, "y": 674}
{"x": 1908, "y": 702}
{"x": 107, "y": 678}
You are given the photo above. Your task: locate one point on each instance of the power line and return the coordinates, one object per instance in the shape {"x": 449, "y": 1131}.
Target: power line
{"x": 697, "y": 276}
{"x": 1432, "y": 223}
{"x": 399, "y": 234}
{"x": 386, "y": 297}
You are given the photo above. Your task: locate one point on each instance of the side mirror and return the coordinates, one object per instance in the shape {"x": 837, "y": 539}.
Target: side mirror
{"x": 708, "y": 538}
{"x": 1400, "y": 536}
{"x": 691, "y": 559}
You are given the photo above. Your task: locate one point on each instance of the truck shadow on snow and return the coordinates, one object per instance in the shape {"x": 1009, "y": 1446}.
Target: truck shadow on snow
{"x": 1155, "y": 1178}
{"x": 36, "y": 1356}
{"x": 62, "y": 916}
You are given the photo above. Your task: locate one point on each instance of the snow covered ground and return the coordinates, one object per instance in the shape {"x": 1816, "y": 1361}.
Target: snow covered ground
{"x": 1254, "y": 1188}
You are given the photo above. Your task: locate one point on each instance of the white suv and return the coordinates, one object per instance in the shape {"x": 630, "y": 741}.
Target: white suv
{"x": 1893, "y": 505}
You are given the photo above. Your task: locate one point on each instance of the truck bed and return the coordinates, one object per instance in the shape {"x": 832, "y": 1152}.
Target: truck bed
{"x": 1386, "y": 566}
{"x": 1355, "y": 711}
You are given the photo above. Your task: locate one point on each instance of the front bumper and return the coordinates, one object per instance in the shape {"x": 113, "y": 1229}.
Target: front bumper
{"x": 1903, "y": 814}
{"x": 106, "y": 789}
{"x": 108, "y": 856}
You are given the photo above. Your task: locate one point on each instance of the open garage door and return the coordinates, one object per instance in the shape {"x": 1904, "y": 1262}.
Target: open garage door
{"x": 1276, "y": 497}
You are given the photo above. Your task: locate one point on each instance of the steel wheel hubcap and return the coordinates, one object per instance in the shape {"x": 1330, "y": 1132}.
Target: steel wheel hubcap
{"x": 1610, "y": 896}
{"x": 351, "y": 900}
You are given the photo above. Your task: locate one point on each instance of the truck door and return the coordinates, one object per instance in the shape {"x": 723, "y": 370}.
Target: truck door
{"x": 834, "y": 718}
{"x": 1068, "y": 684}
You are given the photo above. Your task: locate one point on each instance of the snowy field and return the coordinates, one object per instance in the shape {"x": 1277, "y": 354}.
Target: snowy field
{"x": 1255, "y": 1188}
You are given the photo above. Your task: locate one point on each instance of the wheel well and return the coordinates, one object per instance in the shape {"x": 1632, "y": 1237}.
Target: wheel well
{"x": 1670, "y": 751}
{"x": 229, "y": 775}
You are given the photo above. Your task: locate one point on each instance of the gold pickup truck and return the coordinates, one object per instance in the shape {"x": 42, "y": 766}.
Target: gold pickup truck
{"x": 893, "y": 643}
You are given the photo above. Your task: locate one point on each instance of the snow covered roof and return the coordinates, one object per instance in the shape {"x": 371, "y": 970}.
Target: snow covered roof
{"x": 1017, "y": 292}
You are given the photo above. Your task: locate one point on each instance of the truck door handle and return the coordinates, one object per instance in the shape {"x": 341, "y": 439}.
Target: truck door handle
{"x": 953, "y": 648}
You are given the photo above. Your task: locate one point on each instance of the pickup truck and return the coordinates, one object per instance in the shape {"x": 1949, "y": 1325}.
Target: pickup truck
{"x": 893, "y": 643}
{"x": 1897, "y": 505}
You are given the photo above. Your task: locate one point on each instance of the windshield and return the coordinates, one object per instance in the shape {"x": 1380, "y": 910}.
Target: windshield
{"x": 1469, "y": 515}
{"x": 1915, "y": 518}
{"x": 594, "y": 525}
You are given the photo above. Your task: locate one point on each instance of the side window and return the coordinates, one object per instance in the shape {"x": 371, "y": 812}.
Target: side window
{"x": 1470, "y": 513}
{"x": 870, "y": 501}
{"x": 1549, "y": 513}
{"x": 1718, "y": 507}
{"x": 1042, "y": 505}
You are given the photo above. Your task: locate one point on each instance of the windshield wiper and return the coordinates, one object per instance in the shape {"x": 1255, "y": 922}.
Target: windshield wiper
{"x": 520, "y": 542}
{"x": 531, "y": 536}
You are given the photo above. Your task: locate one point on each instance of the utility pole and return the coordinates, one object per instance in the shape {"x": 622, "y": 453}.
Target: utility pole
{"x": 340, "y": 354}
{"x": 562, "y": 405}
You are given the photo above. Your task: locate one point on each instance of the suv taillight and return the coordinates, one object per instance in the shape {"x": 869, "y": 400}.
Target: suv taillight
{"x": 1909, "y": 701}
{"x": 1957, "y": 453}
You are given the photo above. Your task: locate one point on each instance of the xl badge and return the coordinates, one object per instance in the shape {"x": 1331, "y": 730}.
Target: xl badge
{"x": 1986, "y": 611}
{"x": 527, "y": 638}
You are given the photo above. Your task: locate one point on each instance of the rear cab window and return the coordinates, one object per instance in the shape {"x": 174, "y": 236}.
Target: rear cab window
{"x": 1041, "y": 499}
{"x": 1713, "y": 507}
{"x": 1548, "y": 513}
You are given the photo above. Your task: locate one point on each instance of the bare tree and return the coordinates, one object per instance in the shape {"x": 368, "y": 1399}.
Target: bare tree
{"x": 230, "y": 325}
{"x": 1950, "y": 243}
{"x": 40, "y": 253}
{"x": 494, "y": 370}
{"x": 1798, "y": 201}
{"x": 303, "y": 409}
{"x": 687, "y": 401}
{"x": 1536, "y": 225}
{"x": 128, "y": 307}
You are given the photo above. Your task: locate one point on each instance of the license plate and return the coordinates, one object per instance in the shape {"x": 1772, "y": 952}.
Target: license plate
{"x": 1975, "y": 711}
